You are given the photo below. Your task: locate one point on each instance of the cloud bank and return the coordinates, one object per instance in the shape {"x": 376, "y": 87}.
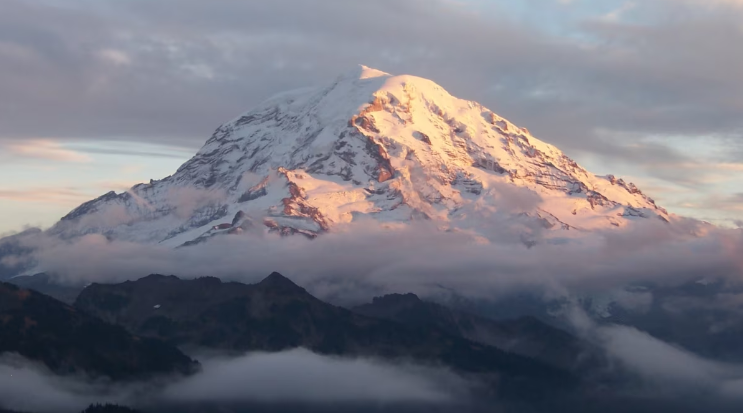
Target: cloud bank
{"x": 364, "y": 260}
{"x": 291, "y": 377}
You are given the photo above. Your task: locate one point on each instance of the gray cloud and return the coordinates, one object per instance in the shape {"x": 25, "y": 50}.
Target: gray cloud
{"x": 291, "y": 377}
{"x": 667, "y": 370}
{"x": 301, "y": 376}
{"x": 130, "y": 153}
{"x": 364, "y": 260}
{"x": 26, "y": 386}
{"x": 189, "y": 65}
{"x": 170, "y": 71}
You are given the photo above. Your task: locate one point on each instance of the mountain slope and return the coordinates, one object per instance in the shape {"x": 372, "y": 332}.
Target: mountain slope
{"x": 370, "y": 145}
{"x": 276, "y": 315}
{"x": 49, "y": 285}
{"x": 69, "y": 341}
{"x": 15, "y": 251}
{"x": 526, "y": 336}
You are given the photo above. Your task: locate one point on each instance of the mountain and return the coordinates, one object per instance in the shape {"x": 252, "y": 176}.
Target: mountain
{"x": 49, "y": 285}
{"x": 68, "y": 341}
{"x": 276, "y": 315}
{"x": 392, "y": 149}
{"x": 526, "y": 336}
{"x": 15, "y": 252}
{"x": 696, "y": 316}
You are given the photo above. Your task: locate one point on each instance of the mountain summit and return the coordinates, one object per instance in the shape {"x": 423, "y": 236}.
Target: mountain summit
{"x": 368, "y": 146}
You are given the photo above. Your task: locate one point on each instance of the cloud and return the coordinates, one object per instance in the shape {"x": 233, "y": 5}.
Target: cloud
{"x": 291, "y": 377}
{"x": 364, "y": 260}
{"x": 45, "y": 149}
{"x": 732, "y": 203}
{"x": 711, "y": 3}
{"x": 115, "y": 57}
{"x": 666, "y": 370}
{"x": 56, "y": 195}
{"x": 627, "y": 81}
{"x": 171, "y": 71}
{"x": 351, "y": 266}
{"x": 302, "y": 376}
{"x": 132, "y": 153}
{"x": 188, "y": 200}
{"x": 27, "y": 386}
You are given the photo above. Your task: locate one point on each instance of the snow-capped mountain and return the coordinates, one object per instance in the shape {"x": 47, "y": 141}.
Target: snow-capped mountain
{"x": 370, "y": 146}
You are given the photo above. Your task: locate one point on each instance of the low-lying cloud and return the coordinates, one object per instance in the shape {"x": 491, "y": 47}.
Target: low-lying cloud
{"x": 353, "y": 264}
{"x": 664, "y": 368}
{"x": 365, "y": 260}
{"x": 301, "y": 376}
{"x": 296, "y": 376}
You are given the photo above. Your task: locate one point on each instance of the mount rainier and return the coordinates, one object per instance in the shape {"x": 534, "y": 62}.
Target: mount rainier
{"x": 368, "y": 147}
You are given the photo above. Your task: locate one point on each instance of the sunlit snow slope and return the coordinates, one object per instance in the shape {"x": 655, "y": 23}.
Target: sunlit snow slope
{"x": 370, "y": 146}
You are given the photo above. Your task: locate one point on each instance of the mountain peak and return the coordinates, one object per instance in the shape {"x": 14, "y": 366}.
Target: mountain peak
{"x": 278, "y": 282}
{"x": 393, "y": 149}
{"x": 362, "y": 72}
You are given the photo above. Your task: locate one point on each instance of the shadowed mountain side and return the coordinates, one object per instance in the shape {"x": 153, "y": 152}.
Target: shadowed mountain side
{"x": 276, "y": 314}
{"x": 49, "y": 285}
{"x": 15, "y": 253}
{"x": 702, "y": 316}
{"x": 69, "y": 341}
{"x": 526, "y": 336}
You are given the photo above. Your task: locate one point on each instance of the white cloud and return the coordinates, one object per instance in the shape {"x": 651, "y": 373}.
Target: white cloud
{"x": 302, "y": 376}
{"x": 365, "y": 260}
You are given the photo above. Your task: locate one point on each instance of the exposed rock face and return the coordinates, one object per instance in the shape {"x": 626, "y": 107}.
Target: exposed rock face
{"x": 370, "y": 145}
{"x": 69, "y": 341}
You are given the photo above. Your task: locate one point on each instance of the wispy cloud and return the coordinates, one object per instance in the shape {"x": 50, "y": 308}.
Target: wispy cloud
{"x": 125, "y": 152}
{"x": 45, "y": 149}
{"x": 60, "y": 196}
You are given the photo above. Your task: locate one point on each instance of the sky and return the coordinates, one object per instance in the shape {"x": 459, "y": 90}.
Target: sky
{"x": 97, "y": 95}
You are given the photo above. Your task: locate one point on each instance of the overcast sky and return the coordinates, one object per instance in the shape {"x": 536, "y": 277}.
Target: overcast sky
{"x": 96, "y": 95}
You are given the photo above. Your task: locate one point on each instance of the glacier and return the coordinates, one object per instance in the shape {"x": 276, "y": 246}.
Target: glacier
{"x": 369, "y": 147}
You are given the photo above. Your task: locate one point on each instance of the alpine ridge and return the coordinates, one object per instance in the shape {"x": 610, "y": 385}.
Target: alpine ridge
{"x": 372, "y": 146}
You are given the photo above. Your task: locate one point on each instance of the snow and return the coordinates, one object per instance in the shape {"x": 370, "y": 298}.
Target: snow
{"x": 368, "y": 146}
{"x": 363, "y": 72}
